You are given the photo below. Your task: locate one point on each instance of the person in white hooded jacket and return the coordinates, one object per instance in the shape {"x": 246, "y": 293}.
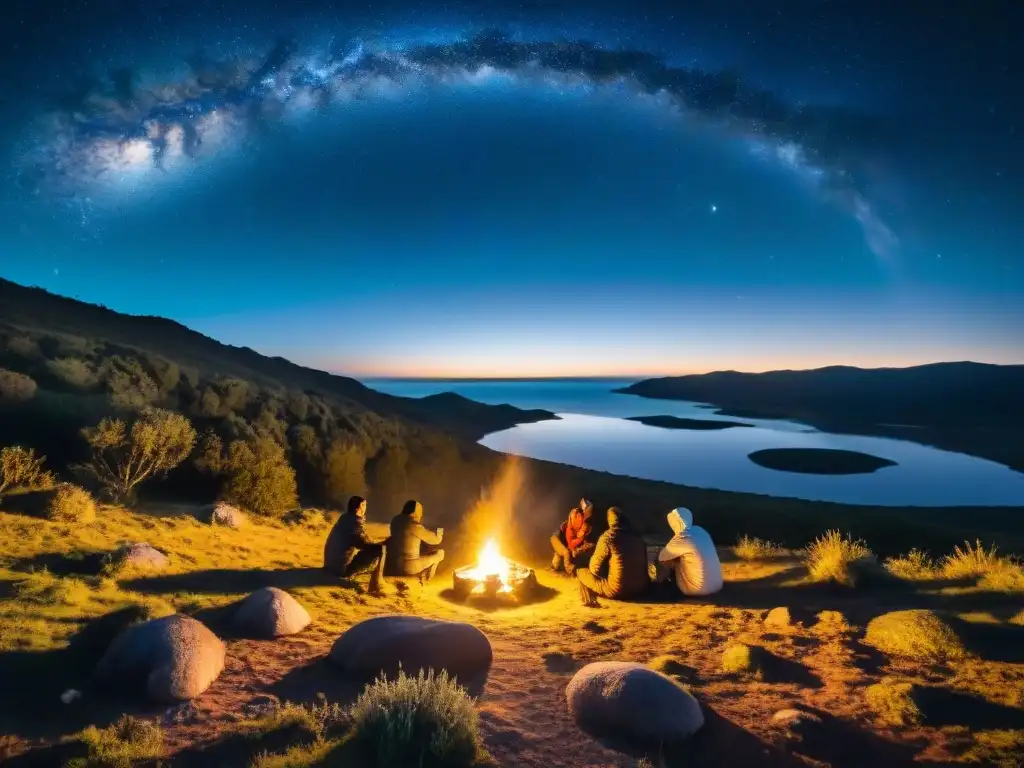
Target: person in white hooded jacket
{"x": 690, "y": 556}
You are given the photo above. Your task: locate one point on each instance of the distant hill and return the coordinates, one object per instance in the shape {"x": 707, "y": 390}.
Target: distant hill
{"x": 38, "y": 310}
{"x": 975, "y": 408}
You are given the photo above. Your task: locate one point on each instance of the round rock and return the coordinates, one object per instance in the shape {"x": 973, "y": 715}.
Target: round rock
{"x": 173, "y": 659}
{"x": 384, "y": 643}
{"x": 228, "y": 516}
{"x": 630, "y": 701}
{"x": 779, "y": 618}
{"x": 270, "y": 612}
{"x": 141, "y": 557}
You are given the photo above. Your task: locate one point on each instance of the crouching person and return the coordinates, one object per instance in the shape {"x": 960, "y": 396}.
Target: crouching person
{"x": 574, "y": 542}
{"x": 618, "y": 568}
{"x": 690, "y": 556}
{"x": 350, "y": 550}
{"x": 408, "y": 535}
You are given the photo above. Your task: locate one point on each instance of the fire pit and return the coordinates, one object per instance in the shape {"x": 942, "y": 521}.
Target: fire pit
{"x": 494, "y": 577}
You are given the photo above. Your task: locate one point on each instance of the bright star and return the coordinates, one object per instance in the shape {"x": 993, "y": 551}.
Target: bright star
{"x": 714, "y": 208}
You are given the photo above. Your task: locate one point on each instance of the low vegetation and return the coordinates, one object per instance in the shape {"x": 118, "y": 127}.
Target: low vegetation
{"x": 753, "y": 548}
{"x": 892, "y": 702}
{"x": 984, "y": 565}
{"x": 428, "y": 720}
{"x": 917, "y": 634}
{"x": 71, "y": 504}
{"x": 22, "y": 470}
{"x": 739, "y": 658}
{"x": 838, "y": 558}
{"x": 127, "y": 742}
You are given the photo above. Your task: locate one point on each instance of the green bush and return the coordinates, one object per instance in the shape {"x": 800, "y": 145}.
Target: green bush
{"x": 73, "y": 372}
{"x": 916, "y": 634}
{"x": 258, "y": 477}
{"x": 125, "y": 743}
{"x": 427, "y": 721}
{"x": 71, "y": 504}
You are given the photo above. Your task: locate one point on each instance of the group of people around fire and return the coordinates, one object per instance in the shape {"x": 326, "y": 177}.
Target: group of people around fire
{"x": 612, "y": 564}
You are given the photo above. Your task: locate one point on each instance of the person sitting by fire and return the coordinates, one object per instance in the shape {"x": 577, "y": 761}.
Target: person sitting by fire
{"x": 618, "y": 567}
{"x": 408, "y": 535}
{"x": 350, "y": 550}
{"x": 690, "y": 556}
{"x": 574, "y": 542}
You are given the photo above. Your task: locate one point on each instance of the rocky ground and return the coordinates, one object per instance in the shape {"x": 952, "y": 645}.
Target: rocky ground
{"x": 812, "y": 657}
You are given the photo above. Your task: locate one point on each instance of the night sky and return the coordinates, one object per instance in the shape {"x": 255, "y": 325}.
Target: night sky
{"x": 527, "y": 189}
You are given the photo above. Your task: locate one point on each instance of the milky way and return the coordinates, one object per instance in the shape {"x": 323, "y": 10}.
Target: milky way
{"x": 116, "y": 128}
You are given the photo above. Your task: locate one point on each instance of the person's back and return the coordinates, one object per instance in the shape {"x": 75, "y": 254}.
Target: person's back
{"x": 693, "y": 556}
{"x": 405, "y": 543}
{"x": 408, "y": 535}
{"x": 623, "y": 552}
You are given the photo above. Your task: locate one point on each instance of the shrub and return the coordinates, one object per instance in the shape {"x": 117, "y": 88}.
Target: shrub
{"x": 259, "y": 477}
{"x": 126, "y": 742}
{"x": 893, "y": 702}
{"x": 916, "y": 634}
{"x": 751, "y": 548}
{"x": 913, "y": 566}
{"x": 122, "y": 458}
{"x": 71, "y": 504}
{"x": 73, "y": 372}
{"x": 22, "y": 470}
{"x": 318, "y": 721}
{"x": 995, "y": 571}
{"x": 836, "y": 558}
{"x": 16, "y": 387}
{"x": 23, "y": 346}
{"x": 1001, "y": 748}
{"x": 427, "y": 721}
{"x": 741, "y": 659}
{"x": 344, "y": 473}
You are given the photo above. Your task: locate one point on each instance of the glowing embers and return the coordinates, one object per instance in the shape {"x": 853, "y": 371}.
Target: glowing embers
{"x": 494, "y": 577}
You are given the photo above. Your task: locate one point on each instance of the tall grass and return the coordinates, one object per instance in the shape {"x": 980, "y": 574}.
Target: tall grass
{"x": 427, "y": 721}
{"x": 122, "y": 745}
{"x": 838, "y": 558}
{"x": 752, "y": 548}
{"x": 996, "y": 572}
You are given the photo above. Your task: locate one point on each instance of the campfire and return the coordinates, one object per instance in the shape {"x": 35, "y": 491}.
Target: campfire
{"x": 494, "y": 576}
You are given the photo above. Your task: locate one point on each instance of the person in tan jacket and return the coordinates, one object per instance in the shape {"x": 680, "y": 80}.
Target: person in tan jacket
{"x": 408, "y": 535}
{"x": 618, "y": 567}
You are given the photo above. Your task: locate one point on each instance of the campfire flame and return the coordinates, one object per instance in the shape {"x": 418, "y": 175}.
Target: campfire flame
{"x": 490, "y": 564}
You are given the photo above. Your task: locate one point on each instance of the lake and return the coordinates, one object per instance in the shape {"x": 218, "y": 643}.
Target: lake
{"x": 593, "y": 432}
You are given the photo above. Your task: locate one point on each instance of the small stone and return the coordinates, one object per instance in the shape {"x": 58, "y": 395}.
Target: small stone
{"x": 228, "y": 516}
{"x": 140, "y": 556}
{"x": 261, "y": 706}
{"x": 270, "y": 612}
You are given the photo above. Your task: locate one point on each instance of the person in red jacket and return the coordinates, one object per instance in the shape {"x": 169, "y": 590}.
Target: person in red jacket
{"x": 573, "y": 542}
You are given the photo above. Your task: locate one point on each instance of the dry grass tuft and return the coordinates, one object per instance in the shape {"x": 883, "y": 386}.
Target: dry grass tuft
{"x": 893, "y": 702}
{"x": 427, "y": 721}
{"x": 916, "y": 634}
{"x": 831, "y": 623}
{"x": 71, "y": 504}
{"x": 319, "y": 721}
{"x": 996, "y": 572}
{"x": 125, "y": 743}
{"x": 751, "y": 548}
{"x": 42, "y": 588}
{"x": 913, "y": 566}
{"x": 838, "y": 558}
{"x": 302, "y": 756}
{"x": 740, "y": 659}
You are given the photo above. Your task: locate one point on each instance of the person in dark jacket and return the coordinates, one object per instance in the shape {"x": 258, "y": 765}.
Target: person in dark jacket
{"x": 408, "y": 535}
{"x": 574, "y": 542}
{"x": 350, "y": 550}
{"x": 618, "y": 568}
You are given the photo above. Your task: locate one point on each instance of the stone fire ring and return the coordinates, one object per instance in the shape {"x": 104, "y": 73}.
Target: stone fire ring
{"x": 523, "y": 583}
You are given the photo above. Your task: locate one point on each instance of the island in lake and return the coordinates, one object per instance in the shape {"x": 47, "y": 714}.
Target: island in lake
{"x": 819, "y": 461}
{"x": 674, "y": 422}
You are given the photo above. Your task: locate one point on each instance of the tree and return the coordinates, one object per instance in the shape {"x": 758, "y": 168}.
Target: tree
{"x": 258, "y": 477}
{"x": 344, "y": 472}
{"x": 21, "y": 469}
{"x": 123, "y": 457}
{"x": 388, "y": 476}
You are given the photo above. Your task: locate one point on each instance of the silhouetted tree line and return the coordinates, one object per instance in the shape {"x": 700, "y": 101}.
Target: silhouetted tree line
{"x": 121, "y": 417}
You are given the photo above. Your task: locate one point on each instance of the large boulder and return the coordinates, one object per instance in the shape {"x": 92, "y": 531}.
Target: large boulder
{"x": 628, "y": 701}
{"x": 140, "y": 556}
{"x": 270, "y": 612}
{"x": 227, "y": 515}
{"x": 384, "y": 643}
{"x": 173, "y": 659}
